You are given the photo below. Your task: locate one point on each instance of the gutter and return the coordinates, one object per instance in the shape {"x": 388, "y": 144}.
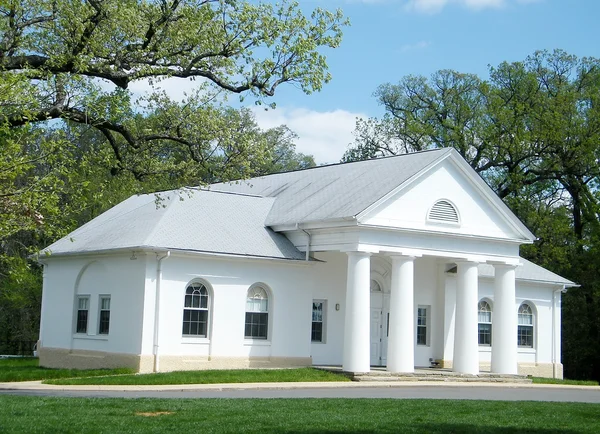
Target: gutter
{"x": 563, "y": 289}
{"x": 156, "y": 366}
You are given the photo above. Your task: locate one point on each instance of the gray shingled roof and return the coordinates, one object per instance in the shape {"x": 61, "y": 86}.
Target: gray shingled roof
{"x": 335, "y": 191}
{"x": 529, "y": 271}
{"x": 201, "y": 221}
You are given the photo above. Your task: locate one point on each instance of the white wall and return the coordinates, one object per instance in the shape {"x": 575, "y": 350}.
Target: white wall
{"x": 117, "y": 276}
{"x": 290, "y": 304}
{"x": 132, "y": 283}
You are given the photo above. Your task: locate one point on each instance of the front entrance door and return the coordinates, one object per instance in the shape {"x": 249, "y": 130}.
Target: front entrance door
{"x": 376, "y": 335}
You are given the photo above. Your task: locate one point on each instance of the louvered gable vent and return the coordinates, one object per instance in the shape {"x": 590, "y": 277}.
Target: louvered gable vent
{"x": 443, "y": 211}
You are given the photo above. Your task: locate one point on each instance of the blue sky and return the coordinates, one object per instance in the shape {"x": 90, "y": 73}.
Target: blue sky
{"x": 389, "y": 39}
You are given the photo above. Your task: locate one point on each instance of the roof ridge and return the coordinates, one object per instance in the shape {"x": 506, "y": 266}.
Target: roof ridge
{"x": 445, "y": 149}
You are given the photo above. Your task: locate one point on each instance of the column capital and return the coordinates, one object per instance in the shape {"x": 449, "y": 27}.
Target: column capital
{"x": 358, "y": 253}
{"x": 504, "y": 266}
{"x": 401, "y": 257}
{"x": 473, "y": 261}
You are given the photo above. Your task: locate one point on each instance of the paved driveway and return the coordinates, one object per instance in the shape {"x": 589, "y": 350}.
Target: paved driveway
{"x": 477, "y": 391}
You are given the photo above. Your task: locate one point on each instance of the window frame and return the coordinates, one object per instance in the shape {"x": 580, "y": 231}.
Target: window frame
{"x": 424, "y": 327}
{"x": 262, "y": 315}
{"x": 481, "y": 323}
{"x": 204, "y": 313}
{"x": 530, "y": 326}
{"x": 79, "y": 298}
{"x": 323, "y": 322}
{"x": 101, "y": 298}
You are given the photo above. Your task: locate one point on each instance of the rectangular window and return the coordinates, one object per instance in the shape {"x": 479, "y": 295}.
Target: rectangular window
{"x": 256, "y": 325}
{"x": 104, "y": 317}
{"x": 195, "y": 322}
{"x": 83, "y": 307}
{"x": 485, "y": 334}
{"x": 422, "y": 326}
{"x": 319, "y": 308}
{"x": 525, "y": 336}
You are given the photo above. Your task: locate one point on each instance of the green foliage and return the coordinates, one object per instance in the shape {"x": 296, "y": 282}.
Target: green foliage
{"x": 74, "y": 415}
{"x": 74, "y": 140}
{"x": 532, "y": 131}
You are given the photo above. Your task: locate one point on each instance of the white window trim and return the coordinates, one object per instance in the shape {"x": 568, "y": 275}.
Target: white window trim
{"x": 532, "y": 348}
{"x": 209, "y": 308}
{"x": 324, "y": 322}
{"x": 100, "y": 298}
{"x": 76, "y": 315}
{"x": 248, "y": 341}
{"x": 482, "y": 346}
{"x": 427, "y": 325}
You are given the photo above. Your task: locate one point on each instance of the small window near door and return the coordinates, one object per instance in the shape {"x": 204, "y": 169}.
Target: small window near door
{"x": 319, "y": 310}
{"x": 422, "y": 323}
{"x": 485, "y": 323}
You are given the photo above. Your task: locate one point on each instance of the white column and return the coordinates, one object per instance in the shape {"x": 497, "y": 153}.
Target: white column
{"x": 401, "y": 339}
{"x": 466, "y": 351}
{"x": 504, "y": 322}
{"x": 357, "y": 345}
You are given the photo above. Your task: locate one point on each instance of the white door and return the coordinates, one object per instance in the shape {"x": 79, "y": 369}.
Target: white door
{"x": 376, "y": 336}
{"x": 385, "y": 328}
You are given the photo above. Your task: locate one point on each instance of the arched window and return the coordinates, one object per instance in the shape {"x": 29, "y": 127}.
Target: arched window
{"x": 195, "y": 310}
{"x": 525, "y": 328}
{"x": 485, "y": 323}
{"x": 257, "y": 313}
{"x": 443, "y": 211}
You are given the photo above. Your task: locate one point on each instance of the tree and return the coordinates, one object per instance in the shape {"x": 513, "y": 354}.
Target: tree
{"x": 55, "y": 53}
{"x": 532, "y": 131}
{"x": 74, "y": 140}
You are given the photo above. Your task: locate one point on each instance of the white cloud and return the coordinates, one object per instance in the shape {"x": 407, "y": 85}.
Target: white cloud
{"x": 421, "y": 45}
{"x": 436, "y": 6}
{"x": 325, "y": 135}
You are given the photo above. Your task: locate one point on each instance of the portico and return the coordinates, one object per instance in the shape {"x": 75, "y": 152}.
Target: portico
{"x": 401, "y": 320}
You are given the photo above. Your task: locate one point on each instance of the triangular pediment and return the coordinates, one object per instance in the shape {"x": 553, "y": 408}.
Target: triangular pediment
{"x": 448, "y": 197}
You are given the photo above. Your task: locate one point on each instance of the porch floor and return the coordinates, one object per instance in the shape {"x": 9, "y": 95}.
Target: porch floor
{"x": 379, "y": 373}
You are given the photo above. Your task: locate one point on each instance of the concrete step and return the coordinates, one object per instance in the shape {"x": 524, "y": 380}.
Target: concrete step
{"x": 441, "y": 377}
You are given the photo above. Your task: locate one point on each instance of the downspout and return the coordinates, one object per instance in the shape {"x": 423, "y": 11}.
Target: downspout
{"x": 307, "y": 245}
{"x": 157, "y": 309}
{"x": 307, "y": 256}
{"x": 554, "y": 329}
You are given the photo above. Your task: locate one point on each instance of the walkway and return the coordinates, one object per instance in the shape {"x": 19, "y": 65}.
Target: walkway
{"x": 396, "y": 390}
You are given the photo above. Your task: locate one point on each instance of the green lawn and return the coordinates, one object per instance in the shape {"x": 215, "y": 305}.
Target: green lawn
{"x": 542, "y": 380}
{"x": 102, "y": 415}
{"x": 27, "y": 369}
{"x": 213, "y": 377}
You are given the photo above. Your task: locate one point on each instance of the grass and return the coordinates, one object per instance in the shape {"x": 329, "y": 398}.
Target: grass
{"x": 107, "y": 415}
{"x": 542, "y": 380}
{"x": 212, "y": 377}
{"x": 27, "y": 369}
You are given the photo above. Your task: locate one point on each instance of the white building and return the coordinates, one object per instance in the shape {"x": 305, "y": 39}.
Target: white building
{"x": 390, "y": 262}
